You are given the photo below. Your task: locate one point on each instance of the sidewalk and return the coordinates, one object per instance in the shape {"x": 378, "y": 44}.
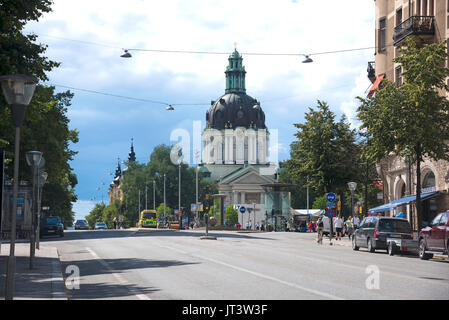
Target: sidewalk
{"x": 43, "y": 282}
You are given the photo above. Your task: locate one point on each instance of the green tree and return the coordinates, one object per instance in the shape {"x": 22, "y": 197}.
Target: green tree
{"x": 320, "y": 203}
{"x": 232, "y": 215}
{"x": 325, "y": 152}
{"x": 141, "y": 176}
{"x": 160, "y": 211}
{"x": 411, "y": 120}
{"x": 45, "y": 126}
{"x": 96, "y": 214}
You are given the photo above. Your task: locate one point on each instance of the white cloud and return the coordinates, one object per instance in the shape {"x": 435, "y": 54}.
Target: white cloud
{"x": 82, "y": 208}
{"x": 287, "y": 86}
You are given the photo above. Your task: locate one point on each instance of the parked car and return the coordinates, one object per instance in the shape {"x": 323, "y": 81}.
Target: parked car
{"x": 434, "y": 239}
{"x": 100, "y": 225}
{"x": 81, "y": 225}
{"x": 51, "y": 226}
{"x": 380, "y": 232}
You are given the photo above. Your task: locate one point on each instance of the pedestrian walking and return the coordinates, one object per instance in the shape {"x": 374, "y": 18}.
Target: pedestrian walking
{"x": 355, "y": 222}
{"x": 115, "y": 222}
{"x": 338, "y": 223}
{"x": 349, "y": 227}
{"x": 320, "y": 229}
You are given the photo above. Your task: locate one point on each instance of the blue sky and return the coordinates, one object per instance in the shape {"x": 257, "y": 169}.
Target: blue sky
{"x": 87, "y": 37}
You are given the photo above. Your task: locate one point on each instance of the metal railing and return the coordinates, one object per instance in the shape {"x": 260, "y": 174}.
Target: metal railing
{"x": 415, "y": 25}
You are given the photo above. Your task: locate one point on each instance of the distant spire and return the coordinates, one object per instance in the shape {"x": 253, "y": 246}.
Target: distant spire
{"x": 132, "y": 154}
{"x": 235, "y": 73}
{"x": 118, "y": 170}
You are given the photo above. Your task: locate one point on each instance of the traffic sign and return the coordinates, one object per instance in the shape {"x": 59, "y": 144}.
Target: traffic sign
{"x": 242, "y": 209}
{"x": 331, "y": 205}
{"x": 330, "y": 213}
{"x": 330, "y": 197}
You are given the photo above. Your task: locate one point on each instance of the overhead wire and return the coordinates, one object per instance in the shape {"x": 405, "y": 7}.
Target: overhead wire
{"x": 186, "y": 52}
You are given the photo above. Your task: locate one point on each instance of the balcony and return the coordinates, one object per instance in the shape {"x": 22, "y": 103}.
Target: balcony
{"x": 421, "y": 26}
{"x": 371, "y": 70}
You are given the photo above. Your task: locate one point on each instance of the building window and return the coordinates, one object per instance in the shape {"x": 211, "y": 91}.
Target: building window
{"x": 382, "y": 35}
{"x": 398, "y": 76}
{"x": 424, "y": 8}
{"x": 398, "y": 16}
{"x": 432, "y": 8}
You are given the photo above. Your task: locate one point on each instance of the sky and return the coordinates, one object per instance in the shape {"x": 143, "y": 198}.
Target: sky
{"x": 88, "y": 37}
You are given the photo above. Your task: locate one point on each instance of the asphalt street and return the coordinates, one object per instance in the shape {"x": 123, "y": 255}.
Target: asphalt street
{"x": 177, "y": 265}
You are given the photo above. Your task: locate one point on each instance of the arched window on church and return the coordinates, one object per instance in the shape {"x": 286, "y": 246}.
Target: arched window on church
{"x": 429, "y": 180}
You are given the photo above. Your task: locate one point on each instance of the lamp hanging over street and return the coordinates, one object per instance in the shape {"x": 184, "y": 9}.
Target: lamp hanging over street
{"x": 170, "y": 108}
{"x": 307, "y": 59}
{"x": 126, "y": 54}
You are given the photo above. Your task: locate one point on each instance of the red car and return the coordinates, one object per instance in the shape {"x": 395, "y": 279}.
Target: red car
{"x": 434, "y": 239}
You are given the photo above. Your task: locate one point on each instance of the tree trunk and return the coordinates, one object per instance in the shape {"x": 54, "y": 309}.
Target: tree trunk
{"x": 418, "y": 187}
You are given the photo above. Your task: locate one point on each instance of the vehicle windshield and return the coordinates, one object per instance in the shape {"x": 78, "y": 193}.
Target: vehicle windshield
{"x": 81, "y": 222}
{"x": 395, "y": 225}
{"x": 149, "y": 215}
{"x": 53, "y": 220}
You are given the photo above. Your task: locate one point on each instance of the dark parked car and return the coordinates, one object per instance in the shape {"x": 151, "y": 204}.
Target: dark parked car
{"x": 81, "y": 225}
{"x": 52, "y": 226}
{"x": 380, "y": 232}
{"x": 434, "y": 239}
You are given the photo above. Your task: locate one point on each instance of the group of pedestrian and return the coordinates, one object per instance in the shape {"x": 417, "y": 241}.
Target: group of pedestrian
{"x": 350, "y": 225}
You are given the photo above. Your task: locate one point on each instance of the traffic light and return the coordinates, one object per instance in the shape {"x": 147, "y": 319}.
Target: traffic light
{"x": 339, "y": 205}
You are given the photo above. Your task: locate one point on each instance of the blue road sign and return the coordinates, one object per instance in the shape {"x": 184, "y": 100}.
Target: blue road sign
{"x": 330, "y": 197}
{"x": 242, "y": 209}
{"x": 331, "y": 205}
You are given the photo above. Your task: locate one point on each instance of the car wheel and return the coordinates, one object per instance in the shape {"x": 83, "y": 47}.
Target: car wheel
{"x": 370, "y": 246}
{"x": 391, "y": 249}
{"x": 354, "y": 244}
{"x": 422, "y": 251}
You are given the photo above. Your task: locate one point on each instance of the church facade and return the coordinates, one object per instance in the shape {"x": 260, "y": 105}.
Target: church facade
{"x": 235, "y": 146}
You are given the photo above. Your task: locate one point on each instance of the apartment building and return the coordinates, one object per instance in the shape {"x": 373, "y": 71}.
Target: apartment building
{"x": 425, "y": 21}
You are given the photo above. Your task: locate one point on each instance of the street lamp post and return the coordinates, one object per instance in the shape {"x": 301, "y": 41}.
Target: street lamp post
{"x": 18, "y": 90}
{"x": 154, "y": 194}
{"x": 33, "y": 159}
{"x": 42, "y": 179}
{"x": 197, "y": 155}
{"x": 352, "y": 186}
{"x": 165, "y": 214}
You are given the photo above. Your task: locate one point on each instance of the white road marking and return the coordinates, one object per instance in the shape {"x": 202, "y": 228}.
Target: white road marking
{"x": 257, "y": 274}
{"x": 119, "y": 278}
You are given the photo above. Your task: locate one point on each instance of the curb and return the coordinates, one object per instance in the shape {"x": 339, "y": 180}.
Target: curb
{"x": 57, "y": 281}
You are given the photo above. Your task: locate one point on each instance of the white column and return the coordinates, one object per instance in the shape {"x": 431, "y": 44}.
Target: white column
{"x": 240, "y": 145}
{"x": 252, "y": 146}
{"x": 262, "y": 145}
{"x": 218, "y": 147}
{"x": 206, "y": 147}
{"x": 243, "y": 196}
{"x": 229, "y": 146}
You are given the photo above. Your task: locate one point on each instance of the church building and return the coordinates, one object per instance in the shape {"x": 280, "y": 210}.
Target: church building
{"x": 235, "y": 146}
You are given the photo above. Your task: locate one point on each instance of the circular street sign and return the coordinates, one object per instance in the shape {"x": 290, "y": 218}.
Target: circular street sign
{"x": 330, "y": 213}
{"x": 242, "y": 209}
{"x": 330, "y": 197}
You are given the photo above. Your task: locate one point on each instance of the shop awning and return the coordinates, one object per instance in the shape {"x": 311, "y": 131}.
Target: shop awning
{"x": 375, "y": 85}
{"x": 394, "y": 204}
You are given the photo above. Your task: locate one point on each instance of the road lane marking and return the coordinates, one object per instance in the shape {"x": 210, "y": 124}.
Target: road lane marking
{"x": 118, "y": 277}
{"x": 257, "y": 274}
